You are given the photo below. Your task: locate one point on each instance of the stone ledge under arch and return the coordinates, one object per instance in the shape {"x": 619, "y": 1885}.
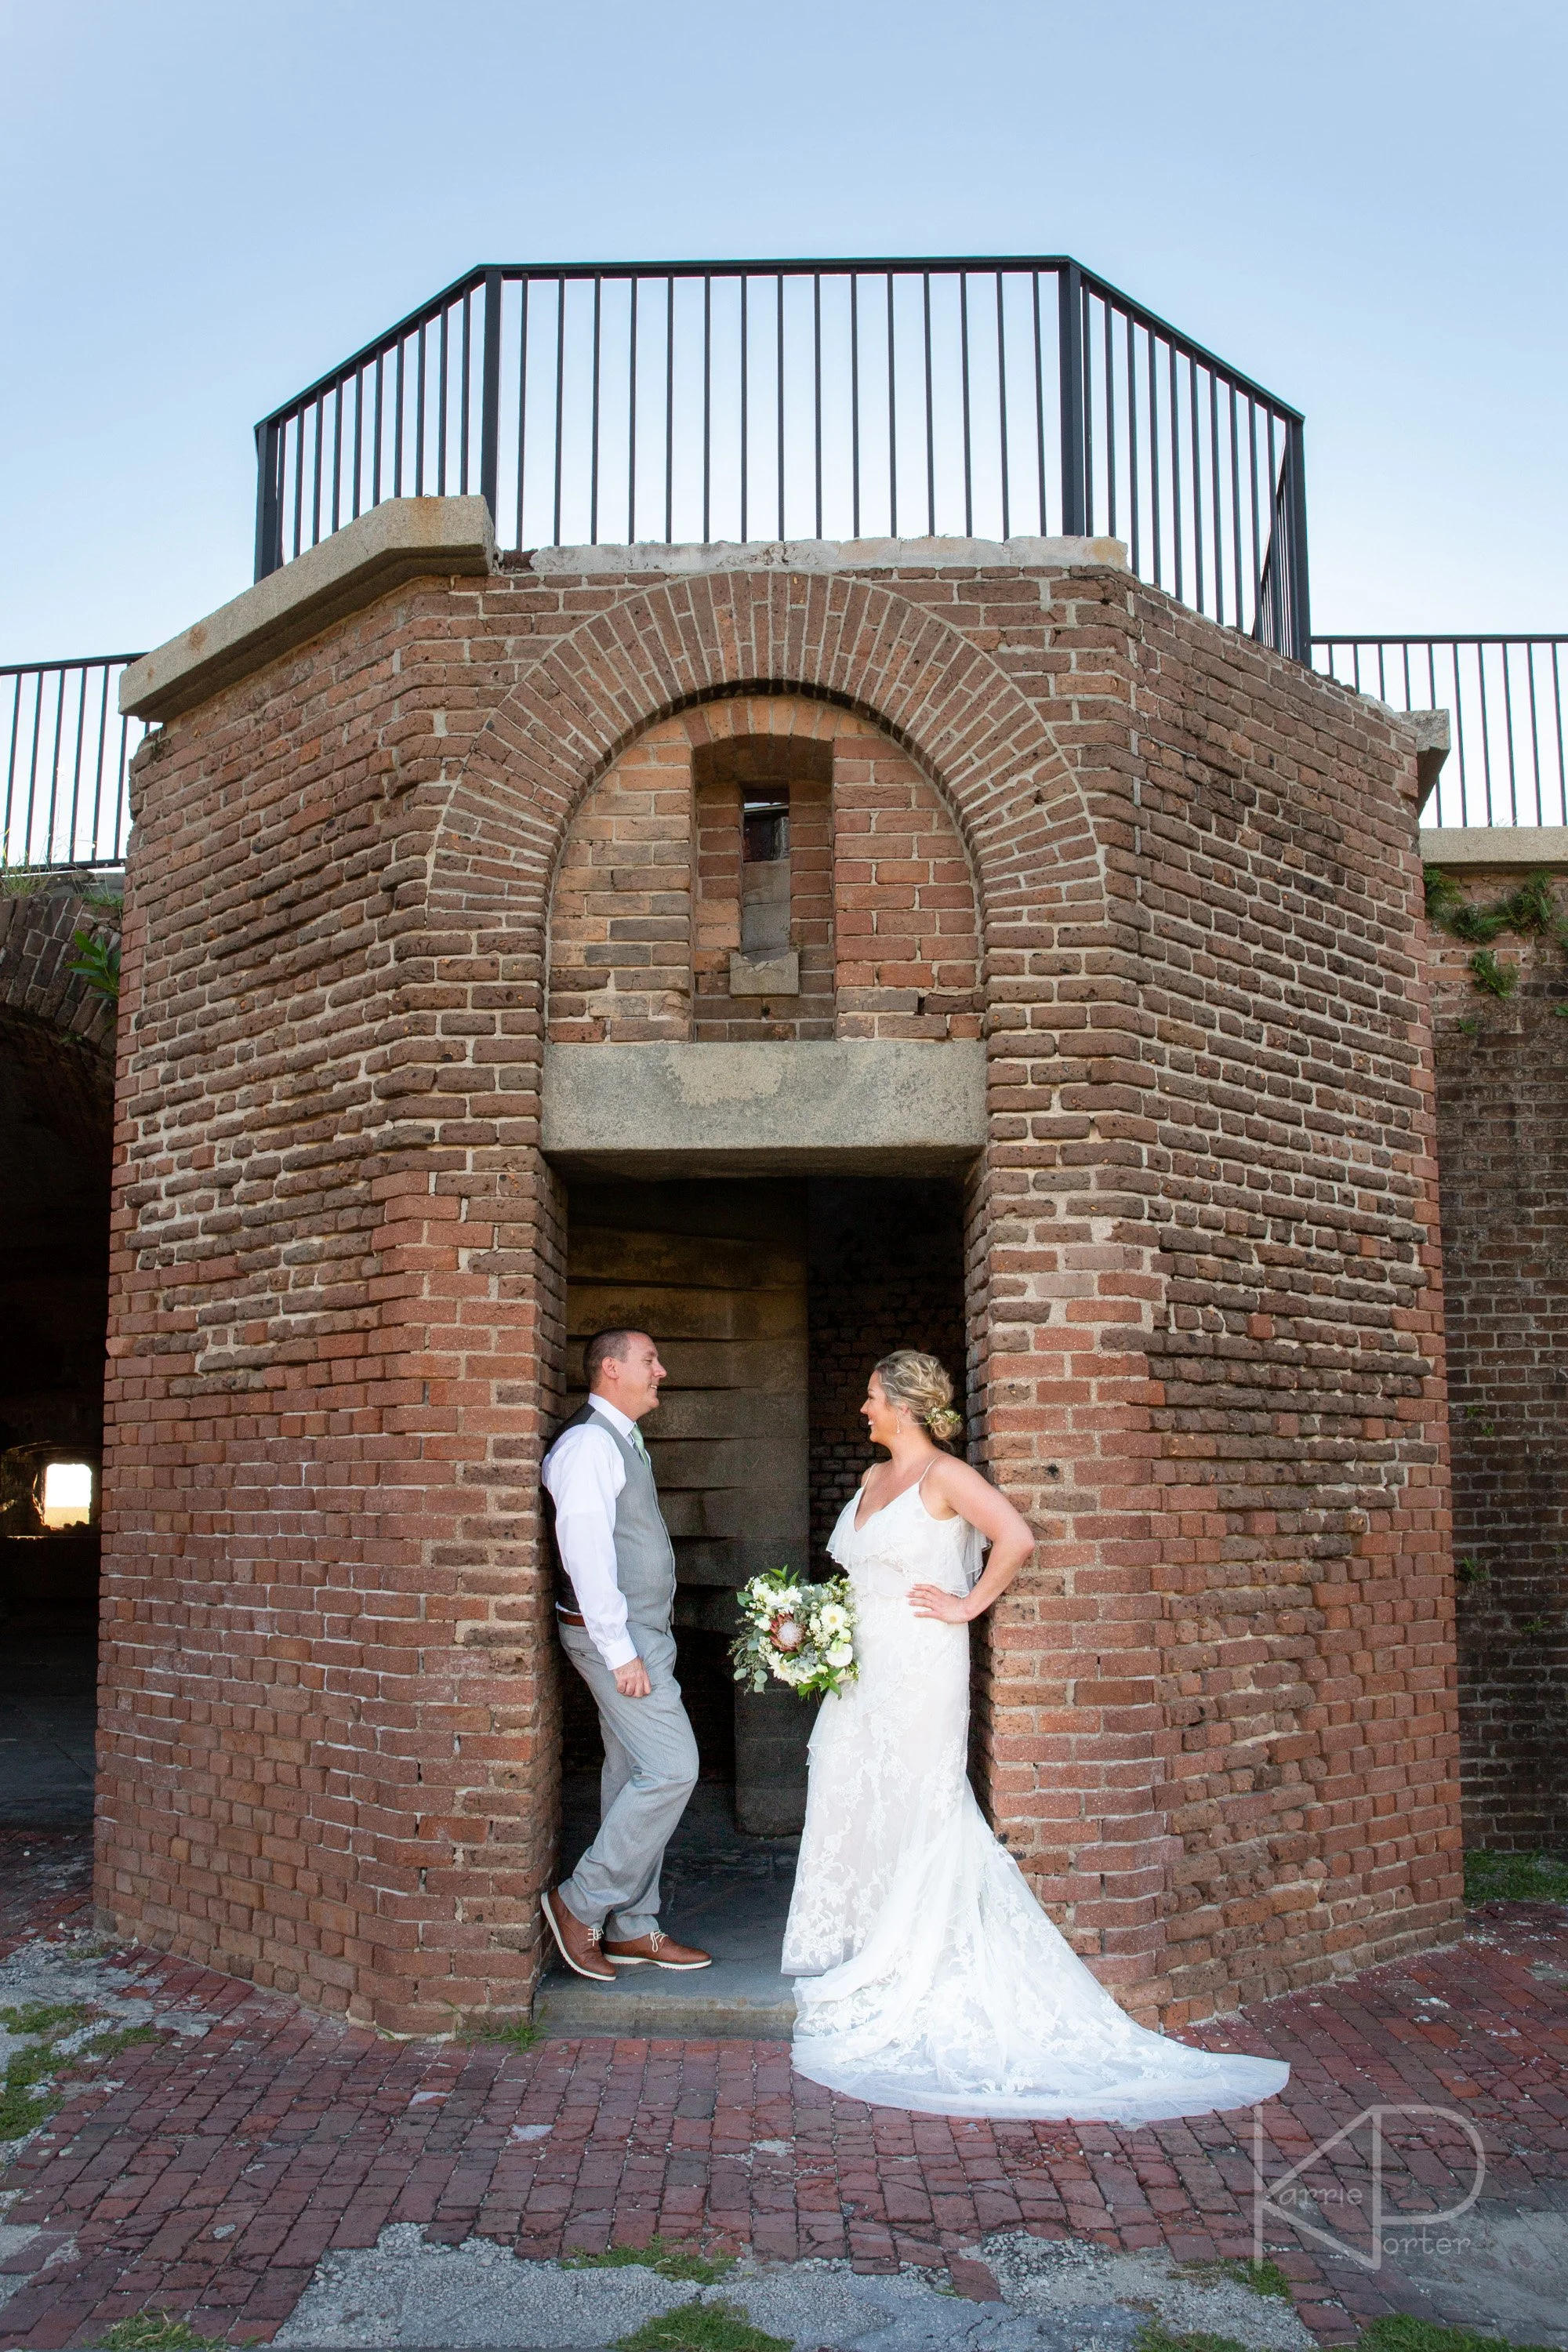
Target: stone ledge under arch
{"x": 866, "y": 1108}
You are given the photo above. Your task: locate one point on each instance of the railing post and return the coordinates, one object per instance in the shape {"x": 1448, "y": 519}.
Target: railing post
{"x": 1299, "y": 618}
{"x": 269, "y": 513}
{"x": 490, "y": 394}
{"x": 1069, "y": 361}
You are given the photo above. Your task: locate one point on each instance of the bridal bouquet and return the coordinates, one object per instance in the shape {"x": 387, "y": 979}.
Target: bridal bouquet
{"x": 799, "y": 1633}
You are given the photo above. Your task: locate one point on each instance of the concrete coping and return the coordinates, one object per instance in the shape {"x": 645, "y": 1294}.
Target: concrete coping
{"x": 402, "y": 539}
{"x": 869, "y": 1106}
{"x": 1500, "y": 845}
{"x": 407, "y": 538}
{"x": 819, "y": 555}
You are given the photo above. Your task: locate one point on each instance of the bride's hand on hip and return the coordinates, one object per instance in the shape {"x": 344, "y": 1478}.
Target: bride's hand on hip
{"x": 934, "y": 1601}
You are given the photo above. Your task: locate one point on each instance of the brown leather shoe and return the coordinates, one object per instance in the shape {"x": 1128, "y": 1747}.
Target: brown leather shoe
{"x": 579, "y": 1946}
{"x": 656, "y": 1949}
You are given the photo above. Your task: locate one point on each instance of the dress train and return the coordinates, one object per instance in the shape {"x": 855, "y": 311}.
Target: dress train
{"x": 928, "y": 1976}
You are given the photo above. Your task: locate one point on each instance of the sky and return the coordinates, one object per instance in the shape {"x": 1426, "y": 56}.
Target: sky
{"x": 204, "y": 206}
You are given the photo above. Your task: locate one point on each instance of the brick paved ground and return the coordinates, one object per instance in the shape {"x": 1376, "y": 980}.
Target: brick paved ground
{"x": 208, "y": 2179}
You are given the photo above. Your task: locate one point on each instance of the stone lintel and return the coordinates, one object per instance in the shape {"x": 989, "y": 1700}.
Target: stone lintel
{"x": 1501, "y": 846}
{"x": 402, "y": 539}
{"x": 839, "y": 1106}
{"x": 833, "y": 555}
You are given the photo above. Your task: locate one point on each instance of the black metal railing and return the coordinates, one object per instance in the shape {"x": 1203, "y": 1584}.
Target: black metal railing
{"x": 65, "y": 750}
{"x": 1504, "y": 696}
{"x": 704, "y": 401}
{"x": 65, "y": 753}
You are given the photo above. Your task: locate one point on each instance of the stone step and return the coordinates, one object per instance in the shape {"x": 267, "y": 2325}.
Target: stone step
{"x": 733, "y": 2000}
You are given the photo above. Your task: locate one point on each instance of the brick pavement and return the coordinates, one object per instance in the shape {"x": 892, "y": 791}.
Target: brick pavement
{"x": 208, "y": 2179}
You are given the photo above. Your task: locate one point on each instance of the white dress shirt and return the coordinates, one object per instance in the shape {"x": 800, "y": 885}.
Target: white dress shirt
{"x": 583, "y": 1473}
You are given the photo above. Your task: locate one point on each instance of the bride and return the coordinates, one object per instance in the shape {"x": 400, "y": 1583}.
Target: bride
{"x": 928, "y": 1976}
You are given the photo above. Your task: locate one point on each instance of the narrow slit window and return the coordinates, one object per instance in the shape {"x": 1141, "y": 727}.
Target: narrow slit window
{"x": 765, "y": 875}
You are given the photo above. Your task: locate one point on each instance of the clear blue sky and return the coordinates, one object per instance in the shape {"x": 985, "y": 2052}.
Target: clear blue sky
{"x": 1360, "y": 202}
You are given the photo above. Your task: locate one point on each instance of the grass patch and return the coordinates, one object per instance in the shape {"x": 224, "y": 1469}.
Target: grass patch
{"x": 112, "y": 2045}
{"x": 1155, "y": 2336}
{"x": 1515, "y": 1878}
{"x": 1264, "y": 2278}
{"x": 22, "y": 2108}
{"x": 671, "y": 2261}
{"x": 38, "y": 2017}
{"x": 157, "y": 2331}
{"x": 704, "y": 2327}
{"x": 1405, "y": 2334}
{"x": 23, "y": 2104}
{"x": 522, "y": 2035}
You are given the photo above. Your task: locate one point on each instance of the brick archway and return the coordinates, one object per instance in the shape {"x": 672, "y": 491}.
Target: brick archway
{"x": 947, "y": 702}
{"x": 37, "y": 984}
{"x": 56, "y": 1117}
{"x": 1051, "y": 935}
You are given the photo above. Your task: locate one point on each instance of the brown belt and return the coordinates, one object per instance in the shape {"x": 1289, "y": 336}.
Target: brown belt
{"x": 571, "y": 1617}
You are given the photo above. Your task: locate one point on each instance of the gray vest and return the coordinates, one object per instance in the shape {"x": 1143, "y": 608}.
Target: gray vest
{"x": 645, "y": 1558}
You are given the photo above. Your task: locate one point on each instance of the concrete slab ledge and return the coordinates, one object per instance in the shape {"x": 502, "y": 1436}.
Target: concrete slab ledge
{"x": 846, "y": 1106}
{"x": 402, "y": 539}
{"x": 731, "y": 2000}
{"x": 1501, "y": 845}
{"x": 833, "y": 555}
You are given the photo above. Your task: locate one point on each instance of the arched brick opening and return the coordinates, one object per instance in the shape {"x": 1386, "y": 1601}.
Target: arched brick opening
{"x": 647, "y": 908}
{"x": 56, "y": 1086}
{"x": 1051, "y": 1372}
{"x": 843, "y": 906}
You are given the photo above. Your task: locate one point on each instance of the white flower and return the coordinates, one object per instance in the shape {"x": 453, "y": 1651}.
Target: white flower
{"x": 840, "y": 1653}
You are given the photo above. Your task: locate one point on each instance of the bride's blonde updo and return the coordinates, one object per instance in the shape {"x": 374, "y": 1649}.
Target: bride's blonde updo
{"x": 919, "y": 1383}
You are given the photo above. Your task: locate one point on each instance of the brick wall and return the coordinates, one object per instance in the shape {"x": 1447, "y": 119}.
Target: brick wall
{"x": 1216, "y": 1717}
{"x": 620, "y": 934}
{"x": 886, "y": 1272}
{"x": 1301, "y": 1604}
{"x": 1502, "y": 1097}
{"x": 908, "y": 956}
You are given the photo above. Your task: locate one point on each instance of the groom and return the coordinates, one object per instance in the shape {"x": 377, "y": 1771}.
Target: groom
{"x": 616, "y": 1628}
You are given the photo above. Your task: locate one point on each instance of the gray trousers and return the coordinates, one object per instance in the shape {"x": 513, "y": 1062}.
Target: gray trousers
{"x": 650, "y": 1771}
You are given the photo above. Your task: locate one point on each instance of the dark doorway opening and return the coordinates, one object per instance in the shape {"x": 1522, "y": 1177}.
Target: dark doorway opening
{"x": 56, "y": 1127}
{"x": 771, "y": 1298}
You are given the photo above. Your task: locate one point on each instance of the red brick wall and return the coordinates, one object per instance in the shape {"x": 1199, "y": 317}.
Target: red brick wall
{"x": 1301, "y": 1607}
{"x": 908, "y": 956}
{"x": 1502, "y": 1127}
{"x": 620, "y": 930}
{"x": 1216, "y": 1717}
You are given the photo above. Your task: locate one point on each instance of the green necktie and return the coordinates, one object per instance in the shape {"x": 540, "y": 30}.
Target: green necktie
{"x": 635, "y": 1440}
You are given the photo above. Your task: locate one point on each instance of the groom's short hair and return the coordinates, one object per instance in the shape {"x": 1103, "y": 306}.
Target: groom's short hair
{"x": 607, "y": 1345}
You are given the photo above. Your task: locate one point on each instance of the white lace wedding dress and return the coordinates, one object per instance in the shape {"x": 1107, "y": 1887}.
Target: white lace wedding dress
{"x": 928, "y": 1975}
